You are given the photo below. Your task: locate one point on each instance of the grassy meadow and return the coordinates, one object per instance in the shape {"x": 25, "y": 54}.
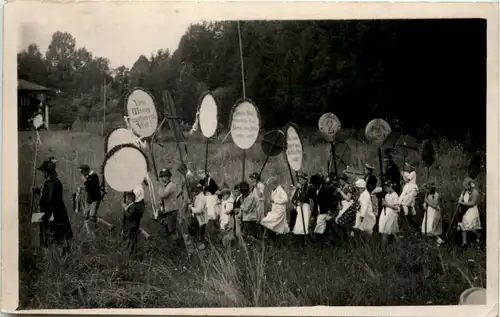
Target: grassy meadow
{"x": 96, "y": 274}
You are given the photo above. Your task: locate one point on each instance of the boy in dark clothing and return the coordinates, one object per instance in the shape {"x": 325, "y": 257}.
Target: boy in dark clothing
{"x": 93, "y": 191}
{"x": 132, "y": 215}
{"x": 392, "y": 172}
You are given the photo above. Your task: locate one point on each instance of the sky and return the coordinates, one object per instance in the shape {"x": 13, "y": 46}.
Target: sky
{"x": 119, "y": 33}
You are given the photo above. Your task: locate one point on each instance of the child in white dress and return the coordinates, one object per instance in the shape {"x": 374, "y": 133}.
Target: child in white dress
{"x": 469, "y": 199}
{"x": 388, "y": 222}
{"x": 365, "y": 218}
{"x": 301, "y": 201}
{"x": 409, "y": 193}
{"x": 275, "y": 220}
{"x": 432, "y": 223}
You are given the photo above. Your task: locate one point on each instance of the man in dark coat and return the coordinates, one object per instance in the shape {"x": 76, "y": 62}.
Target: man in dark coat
{"x": 325, "y": 202}
{"x": 370, "y": 178}
{"x": 132, "y": 215}
{"x": 51, "y": 204}
{"x": 392, "y": 172}
{"x": 210, "y": 183}
{"x": 93, "y": 191}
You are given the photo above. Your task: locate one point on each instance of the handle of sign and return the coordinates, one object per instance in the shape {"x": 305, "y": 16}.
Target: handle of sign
{"x": 334, "y": 155}
{"x": 380, "y": 207}
{"x": 206, "y": 154}
{"x": 291, "y": 173}
{"x": 32, "y": 198}
{"x": 155, "y": 168}
{"x": 243, "y": 159}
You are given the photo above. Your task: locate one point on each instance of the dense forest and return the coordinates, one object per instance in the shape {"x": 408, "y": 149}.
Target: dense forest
{"x": 422, "y": 76}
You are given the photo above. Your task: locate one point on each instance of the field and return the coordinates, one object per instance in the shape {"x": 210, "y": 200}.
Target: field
{"x": 96, "y": 274}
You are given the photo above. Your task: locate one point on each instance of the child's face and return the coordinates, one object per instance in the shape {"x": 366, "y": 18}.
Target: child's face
{"x": 225, "y": 196}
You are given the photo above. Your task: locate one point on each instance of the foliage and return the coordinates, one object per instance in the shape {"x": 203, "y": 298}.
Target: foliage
{"x": 97, "y": 275}
{"x": 297, "y": 70}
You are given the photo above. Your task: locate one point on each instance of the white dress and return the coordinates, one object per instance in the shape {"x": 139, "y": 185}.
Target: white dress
{"x": 226, "y": 206}
{"x": 409, "y": 193}
{"x": 211, "y": 201}
{"x": 365, "y": 211}
{"x": 432, "y": 219}
{"x": 470, "y": 220}
{"x": 199, "y": 209}
{"x": 303, "y": 211}
{"x": 275, "y": 220}
{"x": 388, "y": 223}
{"x": 259, "y": 192}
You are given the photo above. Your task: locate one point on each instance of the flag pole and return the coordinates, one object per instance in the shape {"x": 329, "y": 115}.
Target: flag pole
{"x": 243, "y": 156}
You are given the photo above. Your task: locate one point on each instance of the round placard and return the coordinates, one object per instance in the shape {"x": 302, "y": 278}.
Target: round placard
{"x": 377, "y": 131}
{"x": 294, "y": 151}
{"x": 38, "y": 121}
{"x": 141, "y": 112}
{"x": 245, "y": 124}
{"x": 273, "y": 142}
{"x": 118, "y": 137}
{"x": 124, "y": 167}
{"x": 208, "y": 115}
{"x": 329, "y": 124}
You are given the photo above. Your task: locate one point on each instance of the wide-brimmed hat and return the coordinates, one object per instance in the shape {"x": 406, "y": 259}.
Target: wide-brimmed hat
{"x": 46, "y": 166}
{"x": 369, "y": 166}
{"x": 84, "y": 168}
{"x": 410, "y": 165}
{"x": 244, "y": 187}
{"x": 165, "y": 172}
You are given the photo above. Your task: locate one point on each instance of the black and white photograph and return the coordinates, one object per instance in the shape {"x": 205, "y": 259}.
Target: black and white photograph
{"x": 172, "y": 158}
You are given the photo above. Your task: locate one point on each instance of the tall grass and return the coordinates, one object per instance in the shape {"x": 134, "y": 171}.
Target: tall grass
{"x": 97, "y": 273}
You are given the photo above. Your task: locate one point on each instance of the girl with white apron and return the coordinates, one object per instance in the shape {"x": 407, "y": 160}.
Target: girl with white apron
{"x": 409, "y": 193}
{"x": 259, "y": 192}
{"x": 470, "y": 221}
{"x": 275, "y": 220}
{"x": 432, "y": 222}
{"x": 365, "y": 218}
{"x": 301, "y": 201}
{"x": 388, "y": 222}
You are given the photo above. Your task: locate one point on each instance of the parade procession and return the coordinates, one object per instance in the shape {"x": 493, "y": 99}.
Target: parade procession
{"x": 340, "y": 204}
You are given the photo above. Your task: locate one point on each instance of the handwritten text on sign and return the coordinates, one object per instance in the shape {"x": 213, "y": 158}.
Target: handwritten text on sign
{"x": 245, "y": 125}
{"x": 294, "y": 149}
{"x": 141, "y": 111}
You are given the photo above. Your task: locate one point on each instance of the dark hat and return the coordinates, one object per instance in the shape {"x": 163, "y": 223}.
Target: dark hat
{"x": 165, "y": 172}
{"x": 84, "y": 168}
{"x": 46, "y": 166}
{"x": 369, "y": 166}
{"x": 317, "y": 180}
{"x": 255, "y": 176}
{"x": 244, "y": 187}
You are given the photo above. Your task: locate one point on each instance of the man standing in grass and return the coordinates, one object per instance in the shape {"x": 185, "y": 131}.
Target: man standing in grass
{"x": 132, "y": 215}
{"x": 170, "y": 207}
{"x": 93, "y": 191}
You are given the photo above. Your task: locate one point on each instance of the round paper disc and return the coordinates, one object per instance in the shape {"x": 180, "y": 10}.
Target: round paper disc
{"x": 141, "y": 112}
{"x": 38, "y": 121}
{"x": 208, "y": 115}
{"x": 294, "y": 151}
{"x": 473, "y": 296}
{"x": 118, "y": 137}
{"x": 273, "y": 142}
{"x": 124, "y": 167}
{"x": 377, "y": 131}
{"x": 329, "y": 125}
{"x": 245, "y": 124}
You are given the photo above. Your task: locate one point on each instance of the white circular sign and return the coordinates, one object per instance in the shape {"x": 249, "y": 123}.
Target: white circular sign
{"x": 38, "y": 121}
{"x": 329, "y": 124}
{"x": 118, "y": 137}
{"x": 245, "y": 125}
{"x": 294, "y": 151}
{"x": 125, "y": 167}
{"x": 208, "y": 116}
{"x": 141, "y": 113}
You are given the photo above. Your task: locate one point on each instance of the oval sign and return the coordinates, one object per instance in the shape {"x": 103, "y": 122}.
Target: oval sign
{"x": 377, "y": 131}
{"x": 245, "y": 124}
{"x": 208, "y": 115}
{"x": 294, "y": 151}
{"x": 329, "y": 124}
{"x": 118, "y": 137}
{"x": 124, "y": 167}
{"x": 38, "y": 121}
{"x": 273, "y": 142}
{"x": 141, "y": 112}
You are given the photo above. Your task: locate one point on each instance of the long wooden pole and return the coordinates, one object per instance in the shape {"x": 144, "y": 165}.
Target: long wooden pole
{"x": 243, "y": 156}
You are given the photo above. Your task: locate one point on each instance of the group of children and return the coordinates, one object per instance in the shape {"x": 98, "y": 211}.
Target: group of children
{"x": 199, "y": 211}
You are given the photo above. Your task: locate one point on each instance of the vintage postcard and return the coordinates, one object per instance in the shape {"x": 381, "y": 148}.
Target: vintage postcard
{"x": 250, "y": 158}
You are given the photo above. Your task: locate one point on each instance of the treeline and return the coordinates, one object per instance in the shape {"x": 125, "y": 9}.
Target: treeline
{"x": 422, "y": 76}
